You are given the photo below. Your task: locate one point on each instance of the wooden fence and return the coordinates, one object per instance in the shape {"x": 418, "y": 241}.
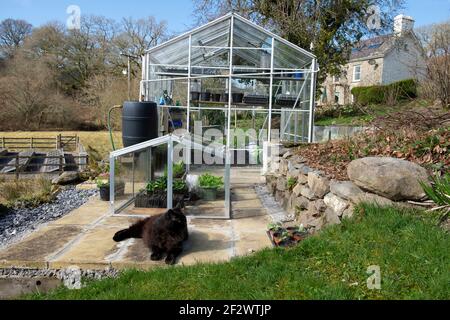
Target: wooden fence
{"x": 67, "y": 143}
{"x": 23, "y": 164}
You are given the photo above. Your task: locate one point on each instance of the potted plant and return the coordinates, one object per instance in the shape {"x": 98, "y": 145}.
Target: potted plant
{"x": 104, "y": 187}
{"x": 209, "y": 185}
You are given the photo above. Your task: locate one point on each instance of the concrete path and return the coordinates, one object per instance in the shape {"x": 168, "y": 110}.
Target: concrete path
{"x": 84, "y": 237}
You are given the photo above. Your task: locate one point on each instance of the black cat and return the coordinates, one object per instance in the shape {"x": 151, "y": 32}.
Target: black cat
{"x": 163, "y": 234}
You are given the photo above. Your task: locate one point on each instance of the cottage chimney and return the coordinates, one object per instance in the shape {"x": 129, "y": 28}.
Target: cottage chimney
{"x": 403, "y": 24}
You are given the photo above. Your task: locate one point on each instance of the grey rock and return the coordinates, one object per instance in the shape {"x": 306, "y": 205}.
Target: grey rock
{"x": 72, "y": 278}
{"x": 320, "y": 205}
{"x": 311, "y": 222}
{"x": 319, "y": 185}
{"x": 392, "y": 178}
{"x": 281, "y": 184}
{"x": 304, "y": 169}
{"x": 345, "y": 190}
{"x": 331, "y": 218}
{"x": 67, "y": 177}
{"x": 349, "y": 212}
{"x": 302, "y": 179}
{"x": 338, "y": 205}
{"x": 288, "y": 154}
{"x": 316, "y": 208}
{"x": 307, "y": 193}
{"x": 372, "y": 199}
{"x": 297, "y": 191}
{"x": 283, "y": 167}
{"x": 301, "y": 203}
{"x": 293, "y": 174}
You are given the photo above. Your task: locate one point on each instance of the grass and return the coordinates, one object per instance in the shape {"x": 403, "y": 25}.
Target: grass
{"x": 95, "y": 142}
{"x": 25, "y": 192}
{"x": 345, "y": 120}
{"x": 410, "y": 249}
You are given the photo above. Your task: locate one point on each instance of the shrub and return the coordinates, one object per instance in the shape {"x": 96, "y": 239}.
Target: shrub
{"x": 392, "y": 93}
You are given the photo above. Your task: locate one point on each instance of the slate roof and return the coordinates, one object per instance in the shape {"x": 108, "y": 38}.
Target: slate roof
{"x": 372, "y": 47}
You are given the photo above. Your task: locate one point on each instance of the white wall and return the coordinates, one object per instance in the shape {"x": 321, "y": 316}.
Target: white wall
{"x": 401, "y": 64}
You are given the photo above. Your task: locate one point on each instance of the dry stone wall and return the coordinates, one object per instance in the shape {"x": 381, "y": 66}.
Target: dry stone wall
{"x": 318, "y": 201}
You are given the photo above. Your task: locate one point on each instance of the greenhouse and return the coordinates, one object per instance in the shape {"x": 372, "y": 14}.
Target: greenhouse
{"x": 225, "y": 92}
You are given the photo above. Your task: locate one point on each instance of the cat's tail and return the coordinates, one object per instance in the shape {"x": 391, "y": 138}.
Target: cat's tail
{"x": 133, "y": 232}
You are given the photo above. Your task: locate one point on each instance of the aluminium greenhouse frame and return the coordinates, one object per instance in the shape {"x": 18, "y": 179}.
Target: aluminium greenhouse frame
{"x": 228, "y": 50}
{"x": 309, "y": 69}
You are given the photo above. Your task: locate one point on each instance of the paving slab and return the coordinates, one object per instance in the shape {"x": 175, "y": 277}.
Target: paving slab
{"x": 93, "y": 210}
{"x": 35, "y": 249}
{"x": 84, "y": 237}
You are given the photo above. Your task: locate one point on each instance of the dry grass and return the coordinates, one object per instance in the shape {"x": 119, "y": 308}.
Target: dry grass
{"x": 25, "y": 192}
{"x": 98, "y": 142}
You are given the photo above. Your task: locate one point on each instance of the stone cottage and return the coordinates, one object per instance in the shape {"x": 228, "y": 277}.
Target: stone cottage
{"x": 378, "y": 61}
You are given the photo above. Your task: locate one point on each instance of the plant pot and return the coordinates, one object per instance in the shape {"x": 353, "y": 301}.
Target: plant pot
{"x": 104, "y": 193}
{"x": 209, "y": 194}
{"x": 205, "y": 96}
{"x": 195, "y": 96}
{"x": 237, "y": 97}
{"x": 225, "y": 97}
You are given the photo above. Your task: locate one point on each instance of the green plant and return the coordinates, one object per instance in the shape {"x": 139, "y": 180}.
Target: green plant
{"x": 178, "y": 170}
{"x": 157, "y": 185}
{"x": 275, "y": 227}
{"x": 102, "y": 180}
{"x": 179, "y": 186}
{"x": 439, "y": 191}
{"x": 291, "y": 182}
{"x": 209, "y": 181}
{"x": 160, "y": 185}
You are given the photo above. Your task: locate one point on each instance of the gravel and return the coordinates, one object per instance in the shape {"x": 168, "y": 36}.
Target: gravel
{"x": 19, "y": 221}
{"x": 62, "y": 274}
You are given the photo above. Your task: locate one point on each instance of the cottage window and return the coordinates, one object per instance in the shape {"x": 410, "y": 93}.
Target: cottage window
{"x": 357, "y": 73}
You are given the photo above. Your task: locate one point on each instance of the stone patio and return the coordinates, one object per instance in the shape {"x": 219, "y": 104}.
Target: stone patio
{"x": 84, "y": 237}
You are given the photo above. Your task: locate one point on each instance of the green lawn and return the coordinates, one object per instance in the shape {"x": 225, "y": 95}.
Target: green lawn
{"x": 410, "y": 249}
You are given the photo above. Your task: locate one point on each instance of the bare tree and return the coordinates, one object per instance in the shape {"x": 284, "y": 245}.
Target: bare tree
{"x": 436, "y": 84}
{"x": 12, "y": 34}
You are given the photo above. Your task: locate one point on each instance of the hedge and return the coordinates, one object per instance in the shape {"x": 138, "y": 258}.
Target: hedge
{"x": 394, "y": 92}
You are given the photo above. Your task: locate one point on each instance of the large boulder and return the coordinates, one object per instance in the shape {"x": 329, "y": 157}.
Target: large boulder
{"x": 67, "y": 177}
{"x": 392, "y": 178}
{"x": 319, "y": 185}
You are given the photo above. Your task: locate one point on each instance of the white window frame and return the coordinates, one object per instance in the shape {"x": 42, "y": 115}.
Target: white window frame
{"x": 354, "y": 73}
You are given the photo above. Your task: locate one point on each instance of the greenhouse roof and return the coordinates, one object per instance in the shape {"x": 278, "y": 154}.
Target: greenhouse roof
{"x": 251, "y": 44}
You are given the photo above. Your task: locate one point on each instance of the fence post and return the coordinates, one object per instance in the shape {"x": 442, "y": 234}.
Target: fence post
{"x": 58, "y": 142}
{"x": 31, "y": 142}
{"x": 61, "y": 168}
{"x": 3, "y": 143}
{"x": 17, "y": 167}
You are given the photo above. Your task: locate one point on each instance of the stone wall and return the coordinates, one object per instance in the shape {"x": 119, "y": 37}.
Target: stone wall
{"x": 318, "y": 201}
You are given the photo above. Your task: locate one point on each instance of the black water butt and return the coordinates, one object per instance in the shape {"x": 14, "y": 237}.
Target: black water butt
{"x": 139, "y": 122}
